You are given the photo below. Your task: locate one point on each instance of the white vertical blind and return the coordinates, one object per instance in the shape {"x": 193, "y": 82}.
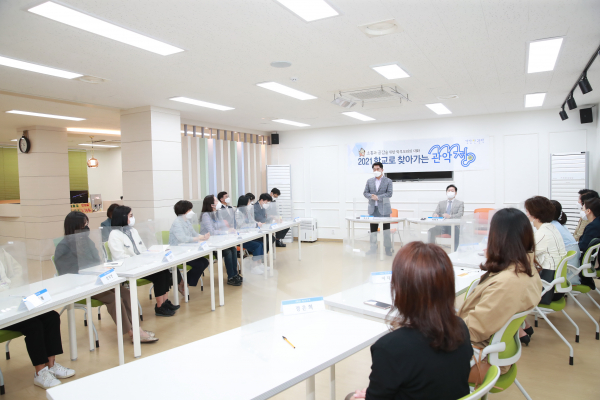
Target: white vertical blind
{"x": 568, "y": 175}
{"x": 280, "y": 177}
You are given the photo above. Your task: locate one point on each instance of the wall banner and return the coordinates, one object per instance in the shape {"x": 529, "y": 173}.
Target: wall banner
{"x": 436, "y": 154}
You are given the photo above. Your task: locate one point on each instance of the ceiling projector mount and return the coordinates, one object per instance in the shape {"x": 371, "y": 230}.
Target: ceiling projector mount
{"x": 348, "y": 99}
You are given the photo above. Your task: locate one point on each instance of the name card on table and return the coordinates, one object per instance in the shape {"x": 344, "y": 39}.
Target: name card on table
{"x": 296, "y": 219}
{"x": 203, "y": 246}
{"x": 366, "y": 217}
{"x": 37, "y": 299}
{"x": 273, "y": 226}
{"x": 169, "y": 256}
{"x": 107, "y": 277}
{"x": 113, "y": 263}
{"x": 302, "y": 306}
{"x": 381, "y": 277}
{"x": 436, "y": 218}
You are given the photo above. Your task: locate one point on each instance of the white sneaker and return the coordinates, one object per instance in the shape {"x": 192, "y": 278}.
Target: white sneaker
{"x": 258, "y": 269}
{"x": 45, "y": 379}
{"x": 61, "y": 372}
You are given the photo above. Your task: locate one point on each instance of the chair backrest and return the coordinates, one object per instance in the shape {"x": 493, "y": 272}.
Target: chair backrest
{"x": 509, "y": 335}
{"x": 107, "y": 251}
{"x": 491, "y": 377}
{"x": 57, "y": 240}
{"x": 472, "y": 287}
{"x": 561, "y": 271}
{"x": 586, "y": 263}
{"x": 394, "y": 214}
{"x": 165, "y": 237}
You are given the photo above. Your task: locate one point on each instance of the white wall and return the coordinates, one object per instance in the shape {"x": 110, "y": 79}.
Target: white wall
{"x": 107, "y": 179}
{"x": 521, "y": 144}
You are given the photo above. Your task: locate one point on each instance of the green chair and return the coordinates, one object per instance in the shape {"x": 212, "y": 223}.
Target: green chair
{"x": 504, "y": 350}
{"x": 561, "y": 285}
{"x": 7, "y": 336}
{"x": 139, "y": 282}
{"x": 488, "y": 384}
{"x": 82, "y": 305}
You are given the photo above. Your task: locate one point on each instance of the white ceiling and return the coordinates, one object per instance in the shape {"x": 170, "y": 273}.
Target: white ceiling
{"x": 473, "y": 48}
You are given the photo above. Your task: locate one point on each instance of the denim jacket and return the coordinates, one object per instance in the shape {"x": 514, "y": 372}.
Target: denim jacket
{"x": 181, "y": 231}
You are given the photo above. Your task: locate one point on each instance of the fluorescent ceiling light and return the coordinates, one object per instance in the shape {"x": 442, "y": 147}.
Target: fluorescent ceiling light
{"x": 201, "y": 103}
{"x": 543, "y": 55}
{"x": 97, "y": 145}
{"x": 9, "y": 62}
{"x": 44, "y": 115}
{"x": 534, "y": 99}
{"x": 438, "y": 108}
{"x": 392, "y": 71}
{"x": 288, "y": 122}
{"x": 360, "y": 116}
{"x": 88, "y": 23}
{"x": 288, "y": 91}
{"x": 309, "y": 10}
{"x": 102, "y": 131}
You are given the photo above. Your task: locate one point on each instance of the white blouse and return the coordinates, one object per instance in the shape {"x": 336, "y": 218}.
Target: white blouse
{"x": 120, "y": 245}
{"x": 549, "y": 246}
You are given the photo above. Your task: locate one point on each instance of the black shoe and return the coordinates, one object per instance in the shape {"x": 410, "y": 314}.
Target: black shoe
{"x": 234, "y": 281}
{"x": 525, "y": 339}
{"x": 170, "y": 305}
{"x": 389, "y": 252}
{"x": 529, "y": 331}
{"x": 279, "y": 243}
{"x": 163, "y": 311}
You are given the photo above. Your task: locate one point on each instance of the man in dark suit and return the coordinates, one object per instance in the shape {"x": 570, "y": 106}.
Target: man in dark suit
{"x": 275, "y": 193}
{"x": 379, "y": 190}
{"x": 260, "y": 214}
{"x": 227, "y": 214}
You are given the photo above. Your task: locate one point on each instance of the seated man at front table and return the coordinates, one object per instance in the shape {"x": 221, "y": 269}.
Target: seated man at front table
{"x": 377, "y": 189}
{"x": 452, "y": 208}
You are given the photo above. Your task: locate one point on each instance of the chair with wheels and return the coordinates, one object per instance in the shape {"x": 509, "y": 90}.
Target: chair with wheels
{"x": 504, "y": 350}
{"x": 491, "y": 377}
{"x": 7, "y": 336}
{"x": 561, "y": 285}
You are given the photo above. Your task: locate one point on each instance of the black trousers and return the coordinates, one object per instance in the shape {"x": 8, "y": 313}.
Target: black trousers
{"x": 163, "y": 281}
{"x": 42, "y": 336}
{"x": 281, "y": 234}
{"x": 198, "y": 266}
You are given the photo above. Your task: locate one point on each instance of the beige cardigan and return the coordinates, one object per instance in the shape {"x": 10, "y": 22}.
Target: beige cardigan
{"x": 580, "y": 228}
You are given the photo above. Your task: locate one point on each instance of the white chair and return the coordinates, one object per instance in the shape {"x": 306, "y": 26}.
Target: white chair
{"x": 587, "y": 271}
{"x": 488, "y": 384}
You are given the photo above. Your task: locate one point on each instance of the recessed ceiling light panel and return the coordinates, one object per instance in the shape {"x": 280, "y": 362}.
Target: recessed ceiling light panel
{"x": 101, "y": 131}
{"x": 359, "y": 116}
{"x": 281, "y": 64}
{"x": 543, "y": 55}
{"x": 534, "y": 99}
{"x": 391, "y": 71}
{"x": 288, "y": 91}
{"x": 438, "y": 108}
{"x": 201, "y": 103}
{"x": 96, "y": 145}
{"x": 9, "y": 62}
{"x": 90, "y": 24}
{"x": 309, "y": 10}
{"x": 44, "y": 115}
{"x": 288, "y": 122}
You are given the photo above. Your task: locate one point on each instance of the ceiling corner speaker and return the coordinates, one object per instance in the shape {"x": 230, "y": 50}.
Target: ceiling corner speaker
{"x": 274, "y": 138}
{"x": 586, "y": 116}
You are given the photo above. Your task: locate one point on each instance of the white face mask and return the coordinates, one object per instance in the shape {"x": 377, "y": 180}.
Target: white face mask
{"x": 450, "y": 195}
{"x": 131, "y": 221}
{"x": 266, "y": 205}
{"x": 583, "y": 215}
{"x": 190, "y": 215}
{"x": 228, "y": 200}
{"x": 377, "y": 174}
{"x": 579, "y": 207}
{"x": 218, "y": 206}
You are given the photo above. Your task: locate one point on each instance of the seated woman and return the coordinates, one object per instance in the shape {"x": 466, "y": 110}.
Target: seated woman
{"x": 182, "y": 231}
{"x": 560, "y": 219}
{"x": 105, "y": 225}
{"x": 77, "y": 251}
{"x": 250, "y": 198}
{"x": 243, "y": 220}
{"x": 124, "y": 242}
{"x": 591, "y": 209}
{"x": 549, "y": 246}
{"x": 510, "y": 285}
{"x": 427, "y": 354}
{"x": 210, "y": 224}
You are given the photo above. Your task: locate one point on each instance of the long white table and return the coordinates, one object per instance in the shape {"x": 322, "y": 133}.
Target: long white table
{"x": 438, "y": 222}
{"x": 250, "y": 362}
{"x": 270, "y": 230}
{"x": 352, "y": 300}
{"x": 381, "y": 220}
{"x": 64, "y": 290}
{"x": 470, "y": 259}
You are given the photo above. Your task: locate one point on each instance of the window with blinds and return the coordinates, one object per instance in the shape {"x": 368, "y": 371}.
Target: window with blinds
{"x": 280, "y": 177}
{"x": 9, "y": 174}
{"x": 569, "y": 174}
{"x": 78, "y": 177}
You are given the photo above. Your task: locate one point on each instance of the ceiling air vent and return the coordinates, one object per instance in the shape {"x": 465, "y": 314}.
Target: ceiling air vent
{"x": 349, "y": 98}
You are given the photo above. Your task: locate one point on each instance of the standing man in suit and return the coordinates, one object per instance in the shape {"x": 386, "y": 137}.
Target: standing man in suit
{"x": 275, "y": 193}
{"x": 452, "y": 208}
{"x": 377, "y": 189}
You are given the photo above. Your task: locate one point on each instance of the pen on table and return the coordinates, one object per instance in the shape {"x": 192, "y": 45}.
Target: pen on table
{"x": 284, "y": 338}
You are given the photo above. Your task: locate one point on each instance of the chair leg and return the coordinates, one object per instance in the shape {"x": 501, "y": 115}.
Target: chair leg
{"x": 7, "y": 350}
{"x": 85, "y": 317}
{"x": 140, "y": 309}
{"x": 588, "y": 314}
{"x": 545, "y": 317}
{"x": 61, "y": 311}
{"x": 150, "y": 292}
{"x": 201, "y": 285}
{"x": 593, "y": 301}
{"x": 95, "y": 333}
{"x": 99, "y": 315}
{"x": 574, "y": 324}
{"x": 1, "y": 383}
{"x": 522, "y": 389}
